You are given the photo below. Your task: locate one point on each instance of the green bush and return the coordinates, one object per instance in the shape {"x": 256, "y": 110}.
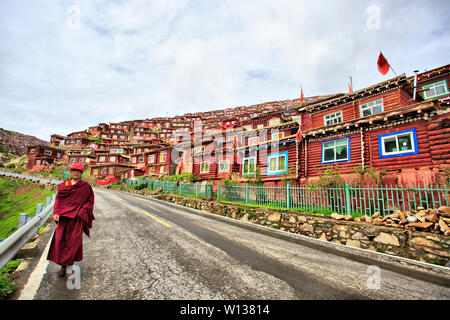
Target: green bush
{"x": 6, "y": 287}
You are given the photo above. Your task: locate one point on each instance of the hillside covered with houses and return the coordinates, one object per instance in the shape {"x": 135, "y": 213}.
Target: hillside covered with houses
{"x": 390, "y": 130}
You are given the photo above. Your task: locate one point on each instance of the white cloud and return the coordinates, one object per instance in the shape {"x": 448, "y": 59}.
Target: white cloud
{"x": 139, "y": 59}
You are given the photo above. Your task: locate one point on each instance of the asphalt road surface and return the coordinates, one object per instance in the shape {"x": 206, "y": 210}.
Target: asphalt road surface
{"x": 144, "y": 249}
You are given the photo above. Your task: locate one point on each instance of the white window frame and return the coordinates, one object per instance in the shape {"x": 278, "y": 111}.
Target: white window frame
{"x": 330, "y": 118}
{"x": 243, "y": 164}
{"x": 411, "y": 136}
{"x": 198, "y": 149}
{"x": 112, "y": 159}
{"x": 224, "y": 165}
{"x": 367, "y": 106}
{"x": 277, "y": 156}
{"x": 432, "y": 86}
{"x": 347, "y": 139}
{"x": 101, "y": 159}
{"x": 201, "y": 167}
{"x": 152, "y": 157}
{"x": 253, "y": 140}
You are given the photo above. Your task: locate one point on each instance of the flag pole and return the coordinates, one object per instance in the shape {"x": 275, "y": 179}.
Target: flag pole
{"x": 390, "y": 67}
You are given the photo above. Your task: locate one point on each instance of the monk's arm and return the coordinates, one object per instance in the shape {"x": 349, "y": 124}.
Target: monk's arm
{"x": 86, "y": 212}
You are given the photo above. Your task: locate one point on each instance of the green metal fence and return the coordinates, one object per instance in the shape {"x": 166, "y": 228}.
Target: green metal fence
{"x": 182, "y": 188}
{"x": 345, "y": 199}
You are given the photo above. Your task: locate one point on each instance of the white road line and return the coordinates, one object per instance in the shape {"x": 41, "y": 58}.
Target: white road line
{"x": 34, "y": 281}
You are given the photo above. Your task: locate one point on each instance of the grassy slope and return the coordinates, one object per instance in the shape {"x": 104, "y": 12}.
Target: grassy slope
{"x": 15, "y": 198}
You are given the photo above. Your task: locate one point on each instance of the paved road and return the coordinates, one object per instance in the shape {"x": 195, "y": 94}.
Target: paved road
{"x": 144, "y": 249}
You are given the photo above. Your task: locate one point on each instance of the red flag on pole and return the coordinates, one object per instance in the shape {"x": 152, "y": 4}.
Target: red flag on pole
{"x": 301, "y": 95}
{"x": 235, "y": 149}
{"x": 383, "y": 64}
{"x": 350, "y": 89}
{"x": 298, "y": 136}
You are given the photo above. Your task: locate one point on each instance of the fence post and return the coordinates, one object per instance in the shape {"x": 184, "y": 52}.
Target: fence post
{"x": 288, "y": 195}
{"x": 49, "y": 200}
{"x": 22, "y": 220}
{"x": 218, "y": 191}
{"x": 39, "y": 208}
{"x": 246, "y": 192}
{"x": 196, "y": 189}
{"x": 180, "y": 186}
{"x": 347, "y": 198}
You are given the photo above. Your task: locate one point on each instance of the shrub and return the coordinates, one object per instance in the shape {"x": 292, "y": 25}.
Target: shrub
{"x": 6, "y": 287}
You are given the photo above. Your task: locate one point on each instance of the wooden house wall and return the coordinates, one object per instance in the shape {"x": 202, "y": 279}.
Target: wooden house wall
{"x": 317, "y": 119}
{"x": 227, "y": 174}
{"x": 391, "y": 100}
{"x": 314, "y": 156}
{"x": 425, "y": 80}
{"x": 213, "y": 168}
{"x": 439, "y": 137}
{"x": 423, "y": 158}
{"x": 261, "y": 161}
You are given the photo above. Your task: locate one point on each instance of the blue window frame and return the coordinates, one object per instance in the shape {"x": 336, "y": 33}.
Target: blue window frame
{"x": 398, "y": 144}
{"x": 277, "y": 163}
{"x": 336, "y": 151}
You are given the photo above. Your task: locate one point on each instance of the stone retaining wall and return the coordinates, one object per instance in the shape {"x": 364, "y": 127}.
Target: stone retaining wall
{"x": 422, "y": 246}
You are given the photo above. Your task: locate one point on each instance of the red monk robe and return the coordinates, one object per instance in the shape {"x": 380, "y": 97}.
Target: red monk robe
{"x": 74, "y": 204}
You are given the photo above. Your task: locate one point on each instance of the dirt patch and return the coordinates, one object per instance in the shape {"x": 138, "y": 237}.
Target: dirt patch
{"x": 2, "y": 214}
{"x": 24, "y": 189}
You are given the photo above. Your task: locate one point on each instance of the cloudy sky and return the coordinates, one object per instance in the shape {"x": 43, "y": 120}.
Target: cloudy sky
{"x": 67, "y": 65}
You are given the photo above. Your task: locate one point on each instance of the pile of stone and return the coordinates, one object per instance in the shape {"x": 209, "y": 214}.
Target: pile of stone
{"x": 428, "y": 220}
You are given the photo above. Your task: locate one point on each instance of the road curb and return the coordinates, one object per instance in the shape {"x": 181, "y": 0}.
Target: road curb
{"x": 411, "y": 268}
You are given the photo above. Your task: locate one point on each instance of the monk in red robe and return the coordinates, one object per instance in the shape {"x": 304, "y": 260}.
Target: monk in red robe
{"x": 73, "y": 214}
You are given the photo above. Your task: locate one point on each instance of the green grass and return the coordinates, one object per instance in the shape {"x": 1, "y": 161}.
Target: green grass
{"x": 7, "y": 286}
{"x": 10, "y": 267}
{"x": 381, "y": 249}
{"x": 12, "y": 203}
{"x": 438, "y": 262}
{"x": 311, "y": 211}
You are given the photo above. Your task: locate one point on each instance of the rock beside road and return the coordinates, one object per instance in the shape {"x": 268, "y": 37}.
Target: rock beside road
{"x": 428, "y": 220}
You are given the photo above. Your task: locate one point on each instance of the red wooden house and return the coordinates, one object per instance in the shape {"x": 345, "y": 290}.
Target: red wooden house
{"x": 110, "y": 165}
{"x": 55, "y": 140}
{"x": 131, "y": 173}
{"x": 270, "y": 149}
{"x": 42, "y": 155}
{"x": 157, "y": 161}
{"x": 82, "y": 156}
{"x": 380, "y": 126}
{"x": 433, "y": 83}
